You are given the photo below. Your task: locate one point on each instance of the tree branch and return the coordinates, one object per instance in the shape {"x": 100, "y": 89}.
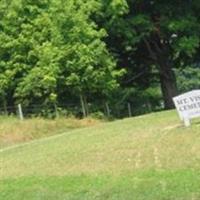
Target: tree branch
{"x": 135, "y": 77}
{"x": 150, "y": 50}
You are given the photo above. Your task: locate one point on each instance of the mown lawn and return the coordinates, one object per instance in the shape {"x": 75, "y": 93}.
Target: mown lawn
{"x": 152, "y": 157}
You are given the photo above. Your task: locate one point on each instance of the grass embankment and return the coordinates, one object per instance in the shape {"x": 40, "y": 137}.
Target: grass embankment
{"x": 14, "y": 131}
{"x": 152, "y": 157}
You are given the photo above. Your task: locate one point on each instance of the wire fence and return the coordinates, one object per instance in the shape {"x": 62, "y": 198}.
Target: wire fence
{"x": 118, "y": 110}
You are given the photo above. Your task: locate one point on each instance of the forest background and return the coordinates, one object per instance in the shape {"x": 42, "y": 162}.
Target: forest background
{"x": 98, "y": 54}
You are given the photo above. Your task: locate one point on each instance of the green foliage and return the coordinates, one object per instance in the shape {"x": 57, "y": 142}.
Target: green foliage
{"x": 188, "y": 78}
{"x": 44, "y": 56}
{"x": 188, "y": 45}
{"x": 164, "y": 34}
{"x": 98, "y": 115}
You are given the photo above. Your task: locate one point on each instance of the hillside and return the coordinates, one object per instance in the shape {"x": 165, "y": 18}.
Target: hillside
{"x": 13, "y": 131}
{"x": 151, "y": 157}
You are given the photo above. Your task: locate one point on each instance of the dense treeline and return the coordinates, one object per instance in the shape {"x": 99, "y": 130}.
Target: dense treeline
{"x": 54, "y": 51}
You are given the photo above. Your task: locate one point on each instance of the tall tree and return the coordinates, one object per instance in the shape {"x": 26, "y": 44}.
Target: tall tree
{"x": 157, "y": 33}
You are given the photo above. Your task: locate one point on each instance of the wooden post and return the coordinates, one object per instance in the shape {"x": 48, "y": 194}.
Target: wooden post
{"x": 5, "y": 107}
{"x": 107, "y": 109}
{"x": 129, "y": 110}
{"x": 86, "y": 105}
{"x": 56, "y": 110}
{"x": 21, "y": 116}
{"x": 83, "y": 106}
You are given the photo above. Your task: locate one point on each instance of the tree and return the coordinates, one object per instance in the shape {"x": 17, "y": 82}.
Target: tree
{"x": 22, "y": 33}
{"x": 44, "y": 57}
{"x": 159, "y": 33}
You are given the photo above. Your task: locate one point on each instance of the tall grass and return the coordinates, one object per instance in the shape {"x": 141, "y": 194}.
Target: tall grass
{"x": 14, "y": 131}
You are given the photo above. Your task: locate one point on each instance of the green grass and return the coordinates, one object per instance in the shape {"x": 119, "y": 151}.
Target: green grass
{"x": 152, "y": 157}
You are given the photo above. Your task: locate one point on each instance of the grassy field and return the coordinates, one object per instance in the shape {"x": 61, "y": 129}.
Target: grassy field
{"x": 152, "y": 157}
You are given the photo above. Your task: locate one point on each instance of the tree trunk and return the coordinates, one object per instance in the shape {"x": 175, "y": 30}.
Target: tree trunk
{"x": 159, "y": 52}
{"x": 168, "y": 82}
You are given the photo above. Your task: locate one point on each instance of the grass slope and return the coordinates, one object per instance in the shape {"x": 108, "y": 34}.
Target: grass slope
{"x": 152, "y": 157}
{"x": 13, "y": 131}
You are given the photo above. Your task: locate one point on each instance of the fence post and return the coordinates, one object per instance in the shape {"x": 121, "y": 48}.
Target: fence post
{"x": 129, "y": 110}
{"x": 86, "y": 105}
{"x": 107, "y": 109}
{"x": 83, "y": 106}
{"x": 5, "y": 108}
{"x": 56, "y": 110}
{"x": 21, "y": 116}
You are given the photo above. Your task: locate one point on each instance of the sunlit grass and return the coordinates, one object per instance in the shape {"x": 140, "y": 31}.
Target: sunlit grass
{"x": 148, "y": 157}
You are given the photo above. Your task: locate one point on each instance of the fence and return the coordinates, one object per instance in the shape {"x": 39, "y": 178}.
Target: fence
{"x": 117, "y": 110}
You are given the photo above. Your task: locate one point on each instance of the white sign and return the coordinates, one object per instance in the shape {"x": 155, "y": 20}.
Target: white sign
{"x": 188, "y": 105}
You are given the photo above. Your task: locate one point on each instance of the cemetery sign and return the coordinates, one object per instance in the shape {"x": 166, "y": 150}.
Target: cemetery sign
{"x": 188, "y": 105}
